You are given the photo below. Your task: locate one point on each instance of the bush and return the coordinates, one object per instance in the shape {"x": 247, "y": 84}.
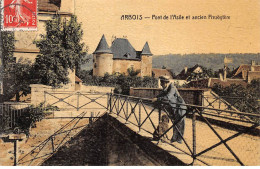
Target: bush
{"x": 245, "y": 99}
{"x": 30, "y": 116}
{"x": 121, "y": 82}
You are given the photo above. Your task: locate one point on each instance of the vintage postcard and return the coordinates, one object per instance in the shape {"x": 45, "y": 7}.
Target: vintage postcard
{"x": 130, "y": 83}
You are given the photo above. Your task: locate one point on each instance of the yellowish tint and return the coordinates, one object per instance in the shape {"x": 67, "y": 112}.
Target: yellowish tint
{"x": 239, "y": 34}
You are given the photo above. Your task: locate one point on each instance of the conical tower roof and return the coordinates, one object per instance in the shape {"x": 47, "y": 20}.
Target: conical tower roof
{"x": 102, "y": 46}
{"x": 146, "y": 50}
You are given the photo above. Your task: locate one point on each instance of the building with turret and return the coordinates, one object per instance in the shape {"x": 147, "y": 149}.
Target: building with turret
{"x": 120, "y": 57}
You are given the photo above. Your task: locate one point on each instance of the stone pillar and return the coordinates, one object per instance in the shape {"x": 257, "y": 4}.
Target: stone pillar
{"x": 37, "y": 93}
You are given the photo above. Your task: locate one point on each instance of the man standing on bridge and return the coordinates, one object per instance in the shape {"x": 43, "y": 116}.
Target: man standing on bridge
{"x": 171, "y": 95}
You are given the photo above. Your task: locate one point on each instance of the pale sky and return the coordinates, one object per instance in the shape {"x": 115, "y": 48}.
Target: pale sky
{"x": 239, "y": 34}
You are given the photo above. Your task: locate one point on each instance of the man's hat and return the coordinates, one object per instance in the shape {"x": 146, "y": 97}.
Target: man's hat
{"x": 164, "y": 78}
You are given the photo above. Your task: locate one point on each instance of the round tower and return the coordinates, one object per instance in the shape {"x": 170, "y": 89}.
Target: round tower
{"x": 147, "y": 59}
{"x": 102, "y": 59}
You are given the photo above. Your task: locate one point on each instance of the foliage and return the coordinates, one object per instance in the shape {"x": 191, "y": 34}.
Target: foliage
{"x": 244, "y": 98}
{"x": 121, "y": 82}
{"x": 8, "y": 47}
{"x": 31, "y": 116}
{"x": 132, "y": 72}
{"x": 17, "y": 75}
{"x": 60, "y": 49}
{"x": 5, "y": 122}
{"x": 18, "y": 79}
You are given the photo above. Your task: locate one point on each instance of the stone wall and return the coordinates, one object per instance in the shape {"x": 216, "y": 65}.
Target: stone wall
{"x": 253, "y": 75}
{"x": 38, "y": 93}
{"x": 121, "y": 66}
{"x": 146, "y": 67}
{"x": 96, "y": 89}
{"x": 190, "y": 95}
{"x": 103, "y": 63}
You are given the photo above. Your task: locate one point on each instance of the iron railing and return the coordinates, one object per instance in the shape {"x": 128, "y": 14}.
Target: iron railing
{"x": 143, "y": 114}
{"x": 49, "y": 146}
{"x": 10, "y": 113}
{"x": 74, "y": 100}
{"x": 227, "y": 102}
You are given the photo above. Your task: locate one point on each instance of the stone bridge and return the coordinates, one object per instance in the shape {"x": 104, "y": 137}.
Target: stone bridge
{"x": 111, "y": 129}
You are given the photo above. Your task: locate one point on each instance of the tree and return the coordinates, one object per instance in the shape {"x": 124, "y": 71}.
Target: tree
{"x": 60, "y": 50}
{"x": 17, "y": 75}
{"x": 132, "y": 72}
{"x": 20, "y": 76}
{"x": 8, "y": 61}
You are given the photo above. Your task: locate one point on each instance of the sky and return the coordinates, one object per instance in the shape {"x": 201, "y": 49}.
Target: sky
{"x": 239, "y": 34}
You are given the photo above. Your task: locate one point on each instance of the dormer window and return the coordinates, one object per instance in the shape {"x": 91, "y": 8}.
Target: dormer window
{"x": 127, "y": 55}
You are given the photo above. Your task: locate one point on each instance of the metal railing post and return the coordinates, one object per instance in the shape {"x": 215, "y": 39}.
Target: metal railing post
{"x": 118, "y": 105}
{"x": 219, "y": 103}
{"x": 15, "y": 153}
{"x": 107, "y": 101}
{"x": 194, "y": 134}
{"x": 127, "y": 109}
{"x": 90, "y": 119}
{"x": 77, "y": 101}
{"x": 139, "y": 121}
{"x": 159, "y": 114}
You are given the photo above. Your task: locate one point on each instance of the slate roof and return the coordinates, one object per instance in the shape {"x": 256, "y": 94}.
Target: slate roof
{"x": 237, "y": 73}
{"x": 102, "y": 46}
{"x": 49, "y": 5}
{"x": 182, "y": 75}
{"x": 122, "y": 49}
{"x": 162, "y": 72}
{"x": 146, "y": 49}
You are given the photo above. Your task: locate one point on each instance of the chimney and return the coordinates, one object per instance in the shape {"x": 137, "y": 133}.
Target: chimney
{"x": 252, "y": 68}
{"x": 225, "y": 73}
{"x": 185, "y": 69}
{"x": 220, "y": 74}
{"x": 221, "y": 77}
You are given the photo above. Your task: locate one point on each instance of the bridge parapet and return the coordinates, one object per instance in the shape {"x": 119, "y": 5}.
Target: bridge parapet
{"x": 203, "y": 141}
{"x": 190, "y": 95}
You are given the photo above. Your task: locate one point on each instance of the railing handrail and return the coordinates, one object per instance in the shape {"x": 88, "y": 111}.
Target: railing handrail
{"x": 76, "y": 92}
{"x": 196, "y": 106}
{"x": 117, "y": 106}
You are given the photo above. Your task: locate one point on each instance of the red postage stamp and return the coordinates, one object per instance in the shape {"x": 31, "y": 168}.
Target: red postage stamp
{"x": 19, "y": 15}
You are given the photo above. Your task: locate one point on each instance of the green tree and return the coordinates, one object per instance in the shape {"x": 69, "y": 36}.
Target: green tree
{"x": 20, "y": 75}
{"x": 17, "y": 75}
{"x": 60, "y": 49}
{"x": 8, "y": 62}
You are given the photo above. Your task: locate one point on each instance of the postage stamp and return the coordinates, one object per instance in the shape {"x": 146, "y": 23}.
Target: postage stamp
{"x": 19, "y": 15}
